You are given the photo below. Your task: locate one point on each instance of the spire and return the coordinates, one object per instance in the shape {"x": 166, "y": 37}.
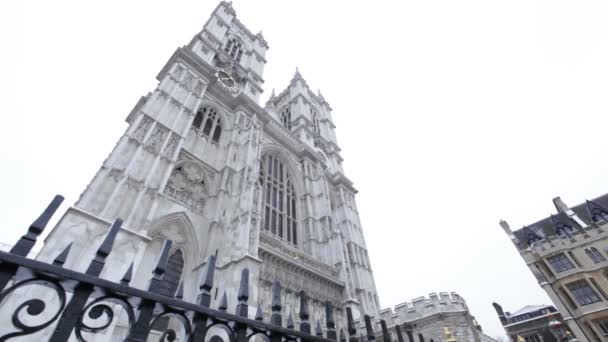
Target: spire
{"x": 269, "y": 102}
{"x": 261, "y": 38}
{"x": 297, "y": 75}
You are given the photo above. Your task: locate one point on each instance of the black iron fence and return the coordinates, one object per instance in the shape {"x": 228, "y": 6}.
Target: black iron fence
{"x": 82, "y": 297}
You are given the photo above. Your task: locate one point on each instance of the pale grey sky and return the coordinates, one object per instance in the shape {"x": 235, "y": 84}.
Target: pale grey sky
{"x": 451, "y": 115}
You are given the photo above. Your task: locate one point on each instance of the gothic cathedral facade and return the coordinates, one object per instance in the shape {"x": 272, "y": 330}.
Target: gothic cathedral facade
{"x": 204, "y": 165}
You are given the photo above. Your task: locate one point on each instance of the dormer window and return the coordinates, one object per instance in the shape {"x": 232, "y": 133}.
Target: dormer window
{"x": 234, "y": 49}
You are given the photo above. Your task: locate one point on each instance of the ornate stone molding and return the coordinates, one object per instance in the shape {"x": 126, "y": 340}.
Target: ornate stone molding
{"x": 295, "y": 256}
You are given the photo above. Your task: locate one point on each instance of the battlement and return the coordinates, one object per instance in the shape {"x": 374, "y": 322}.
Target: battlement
{"x": 419, "y": 308}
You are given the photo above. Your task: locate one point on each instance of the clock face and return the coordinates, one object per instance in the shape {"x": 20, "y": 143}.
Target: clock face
{"x": 227, "y": 81}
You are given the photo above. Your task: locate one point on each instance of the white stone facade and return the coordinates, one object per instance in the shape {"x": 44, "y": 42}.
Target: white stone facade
{"x": 430, "y": 317}
{"x": 188, "y": 168}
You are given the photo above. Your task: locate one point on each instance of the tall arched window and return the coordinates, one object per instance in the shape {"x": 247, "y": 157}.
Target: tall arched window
{"x": 170, "y": 283}
{"x": 595, "y": 255}
{"x": 286, "y": 118}
{"x": 212, "y": 123}
{"x": 279, "y": 198}
{"x": 234, "y": 49}
{"x": 173, "y": 274}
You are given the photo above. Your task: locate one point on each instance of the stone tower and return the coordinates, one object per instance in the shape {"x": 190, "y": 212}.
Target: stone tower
{"x": 203, "y": 164}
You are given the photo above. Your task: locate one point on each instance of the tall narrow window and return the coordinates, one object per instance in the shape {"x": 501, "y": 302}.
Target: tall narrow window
{"x": 595, "y": 255}
{"x": 279, "y": 199}
{"x": 173, "y": 274}
{"x": 315, "y": 121}
{"x": 286, "y": 118}
{"x": 198, "y": 120}
{"x": 217, "y": 133}
{"x": 210, "y": 121}
{"x": 234, "y": 49}
{"x": 170, "y": 283}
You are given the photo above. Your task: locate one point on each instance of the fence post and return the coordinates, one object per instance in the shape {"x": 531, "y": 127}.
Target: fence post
{"x": 242, "y": 308}
{"x": 25, "y": 244}
{"x": 399, "y": 333}
{"x": 319, "y": 330}
{"x": 410, "y": 334}
{"x": 350, "y": 325}
{"x": 385, "y": 334}
{"x": 329, "y": 322}
{"x": 141, "y": 328}
{"x": 72, "y": 313}
{"x": 200, "y": 320}
{"x": 275, "y": 317}
{"x": 304, "y": 324}
{"x": 369, "y": 329}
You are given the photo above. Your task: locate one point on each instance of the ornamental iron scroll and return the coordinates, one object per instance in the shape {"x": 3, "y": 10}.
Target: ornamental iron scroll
{"x": 95, "y": 305}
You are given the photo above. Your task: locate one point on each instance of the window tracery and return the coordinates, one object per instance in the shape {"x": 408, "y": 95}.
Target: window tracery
{"x": 212, "y": 123}
{"x": 286, "y": 118}
{"x": 234, "y": 49}
{"x": 595, "y": 255}
{"x": 279, "y": 200}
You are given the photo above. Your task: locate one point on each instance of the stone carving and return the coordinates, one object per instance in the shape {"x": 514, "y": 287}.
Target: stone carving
{"x": 270, "y": 241}
{"x": 169, "y": 150}
{"x": 141, "y": 130}
{"x": 294, "y": 279}
{"x": 187, "y": 185}
{"x": 189, "y": 81}
{"x": 178, "y": 71}
{"x": 156, "y": 139}
{"x": 198, "y": 88}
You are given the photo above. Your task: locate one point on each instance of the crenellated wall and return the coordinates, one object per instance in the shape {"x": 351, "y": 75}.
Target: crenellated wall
{"x": 429, "y": 316}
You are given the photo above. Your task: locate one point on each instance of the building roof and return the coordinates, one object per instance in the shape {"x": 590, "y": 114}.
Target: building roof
{"x": 550, "y": 226}
{"x": 529, "y": 308}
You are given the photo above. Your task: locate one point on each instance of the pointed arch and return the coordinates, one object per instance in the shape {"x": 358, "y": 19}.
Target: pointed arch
{"x": 281, "y": 210}
{"x": 211, "y": 120}
{"x": 179, "y": 228}
{"x": 292, "y": 164}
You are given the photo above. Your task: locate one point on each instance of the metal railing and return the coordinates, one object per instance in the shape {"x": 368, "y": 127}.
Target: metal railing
{"x": 80, "y": 297}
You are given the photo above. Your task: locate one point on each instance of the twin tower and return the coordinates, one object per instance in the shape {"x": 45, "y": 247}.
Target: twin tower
{"x": 204, "y": 165}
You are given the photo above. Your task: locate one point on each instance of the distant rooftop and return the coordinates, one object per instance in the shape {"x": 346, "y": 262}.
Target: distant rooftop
{"x": 565, "y": 222}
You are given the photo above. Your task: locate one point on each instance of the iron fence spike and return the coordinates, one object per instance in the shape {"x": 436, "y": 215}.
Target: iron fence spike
{"x": 259, "y": 316}
{"x": 179, "y": 294}
{"x": 24, "y": 245}
{"x": 63, "y": 256}
{"x": 126, "y": 279}
{"x": 223, "y": 303}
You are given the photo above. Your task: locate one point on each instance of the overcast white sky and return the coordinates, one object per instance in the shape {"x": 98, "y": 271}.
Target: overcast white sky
{"x": 451, "y": 115}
